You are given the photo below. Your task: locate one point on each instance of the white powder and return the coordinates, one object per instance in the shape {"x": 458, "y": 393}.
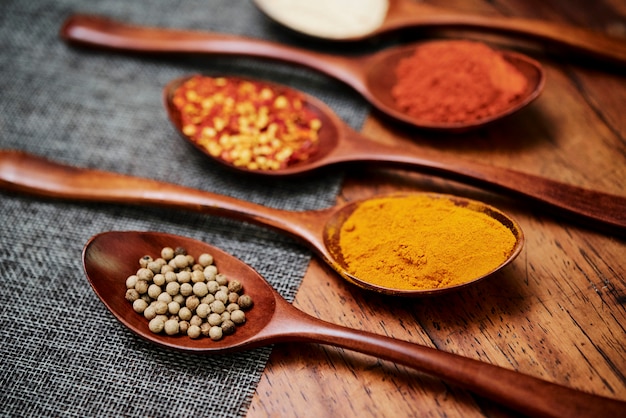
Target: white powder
{"x": 332, "y": 19}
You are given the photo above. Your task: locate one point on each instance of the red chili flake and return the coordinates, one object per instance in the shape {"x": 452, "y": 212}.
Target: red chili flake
{"x": 247, "y": 123}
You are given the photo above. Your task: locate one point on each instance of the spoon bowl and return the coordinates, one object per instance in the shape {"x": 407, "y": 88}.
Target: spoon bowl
{"x": 370, "y": 75}
{"x": 340, "y": 144}
{"x": 110, "y": 257}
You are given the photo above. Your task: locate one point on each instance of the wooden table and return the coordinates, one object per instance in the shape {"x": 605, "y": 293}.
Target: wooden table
{"x": 557, "y": 313}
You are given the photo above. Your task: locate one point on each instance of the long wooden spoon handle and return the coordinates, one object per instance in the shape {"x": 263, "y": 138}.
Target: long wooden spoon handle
{"x": 576, "y": 39}
{"x": 602, "y": 210}
{"x": 101, "y": 32}
{"x": 26, "y": 173}
{"x": 518, "y": 391}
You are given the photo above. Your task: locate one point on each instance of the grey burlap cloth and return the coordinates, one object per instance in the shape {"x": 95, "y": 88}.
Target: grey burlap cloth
{"x": 62, "y": 353}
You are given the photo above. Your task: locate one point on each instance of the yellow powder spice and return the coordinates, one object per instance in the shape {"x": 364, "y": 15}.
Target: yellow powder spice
{"x": 422, "y": 242}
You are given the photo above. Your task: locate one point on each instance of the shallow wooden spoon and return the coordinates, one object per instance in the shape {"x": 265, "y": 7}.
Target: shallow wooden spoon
{"x": 371, "y": 75}
{"x": 412, "y": 14}
{"x": 110, "y": 257}
{"x": 319, "y": 229}
{"x": 340, "y": 144}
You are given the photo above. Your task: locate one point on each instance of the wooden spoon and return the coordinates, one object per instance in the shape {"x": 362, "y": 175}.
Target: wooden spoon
{"x": 339, "y": 144}
{"x": 110, "y": 257}
{"x": 371, "y": 75}
{"x": 318, "y": 229}
{"x": 411, "y": 14}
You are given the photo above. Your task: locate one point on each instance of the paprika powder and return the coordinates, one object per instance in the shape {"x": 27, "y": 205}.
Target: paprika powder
{"x": 247, "y": 123}
{"x": 456, "y": 81}
{"x": 421, "y": 242}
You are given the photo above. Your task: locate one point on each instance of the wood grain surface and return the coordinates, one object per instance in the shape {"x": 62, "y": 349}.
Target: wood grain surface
{"x": 558, "y": 312}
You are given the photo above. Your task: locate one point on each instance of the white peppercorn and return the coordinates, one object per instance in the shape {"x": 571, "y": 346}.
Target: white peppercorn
{"x": 167, "y": 253}
{"x": 233, "y": 297}
{"x": 208, "y": 299}
{"x": 232, "y": 307}
{"x": 139, "y": 305}
{"x": 205, "y": 328}
{"x": 166, "y": 269}
{"x": 221, "y": 279}
{"x": 205, "y": 259}
{"x": 183, "y": 326}
{"x": 192, "y": 302}
{"x": 143, "y": 261}
{"x": 173, "y": 307}
{"x": 156, "y": 324}
{"x": 200, "y": 289}
{"x": 165, "y": 297}
{"x": 210, "y": 272}
{"x": 195, "y": 320}
{"x": 213, "y": 286}
{"x": 154, "y": 266}
{"x": 180, "y": 261}
{"x": 172, "y": 288}
{"x": 193, "y": 331}
{"x": 150, "y": 312}
{"x": 228, "y": 327}
{"x": 186, "y": 289}
{"x": 141, "y": 286}
{"x": 171, "y": 327}
{"x": 185, "y": 313}
{"x": 203, "y": 310}
{"x": 145, "y": 274}
{"x": 154, "y": 291}
{"x": 225, "y": 316}
{"x": 215, "y": 333}
{"x": 131, "y": 281}
{"x": 217, "y": 306}
{"x": 244, "y": 302}
{"x": 234, "y": 286}
{"x": 180, "y": 299}
{"x": 158, "y": 279}
{"x": 190, "y": 260}
{"x": 221, "y": 296}
{"x": 183, "y": 277}
{"x": 238, "y": 316}
{"x": 197, "y": 276}
{"x": 160, "y": 307}
{"x": 214, "y": 319}
{"x": 132, "y": 295}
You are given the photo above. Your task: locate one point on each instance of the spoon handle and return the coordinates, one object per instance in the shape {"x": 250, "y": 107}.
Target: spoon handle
{"x": 603, "y": 210}
{"x": 26, "y": 173}
{"x": 101, "y": 32}
{"x": 521, "y": 392}
{"x": 583, "y": 41}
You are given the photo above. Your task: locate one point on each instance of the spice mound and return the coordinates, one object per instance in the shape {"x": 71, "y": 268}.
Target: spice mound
{"x": 455, "y": 82}
{"x": 181, "y": 295}
{"x": 421, "y": 242}
{"x": 246, "y": 123}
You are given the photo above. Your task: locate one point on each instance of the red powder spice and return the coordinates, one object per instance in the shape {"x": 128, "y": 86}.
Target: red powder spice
{"x": 456, "y": 81}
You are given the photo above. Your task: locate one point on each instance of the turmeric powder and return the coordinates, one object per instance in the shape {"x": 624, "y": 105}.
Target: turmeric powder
{"x": 419, "y": 242}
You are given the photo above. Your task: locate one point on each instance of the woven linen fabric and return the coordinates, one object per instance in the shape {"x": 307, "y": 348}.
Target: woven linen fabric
{"x": 62, "y": 353}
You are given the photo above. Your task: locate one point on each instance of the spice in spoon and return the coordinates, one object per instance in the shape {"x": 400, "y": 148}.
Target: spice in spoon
{"x": 247, "y": 123}
{"x": 456, "y": 81}
{"x": 422, "y": 242}
{"x": 181, "y": 295}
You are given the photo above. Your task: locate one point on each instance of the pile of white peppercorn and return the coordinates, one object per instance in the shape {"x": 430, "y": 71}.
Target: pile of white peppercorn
{"x": 181, "y": 295}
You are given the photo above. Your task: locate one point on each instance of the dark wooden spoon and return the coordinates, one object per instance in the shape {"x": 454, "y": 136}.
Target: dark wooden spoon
{"x": 110, "y": 257}
{"x": 412, "y": 14}
{"x": 318, "y": 229}
{"x": 339, "y": 144}
{"x": 371, "y": 75}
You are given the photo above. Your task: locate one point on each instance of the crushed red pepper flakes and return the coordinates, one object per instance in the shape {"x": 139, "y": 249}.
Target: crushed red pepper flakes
{"x": 247, "y": 123}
